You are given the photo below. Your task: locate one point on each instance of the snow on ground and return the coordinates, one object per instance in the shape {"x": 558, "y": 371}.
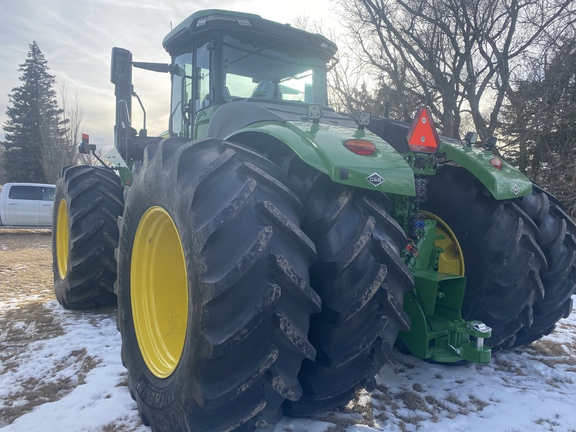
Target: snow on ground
{"x": 73, "y": 380}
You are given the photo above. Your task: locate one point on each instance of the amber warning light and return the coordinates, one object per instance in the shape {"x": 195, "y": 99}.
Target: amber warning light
{"x": 423, "y": 137}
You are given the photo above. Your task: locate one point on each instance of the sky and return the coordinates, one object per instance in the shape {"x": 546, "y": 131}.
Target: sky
{"x": 77, "y": 36}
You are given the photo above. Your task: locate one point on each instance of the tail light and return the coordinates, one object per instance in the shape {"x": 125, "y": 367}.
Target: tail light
{"x": 360, "y": 147}
{"x": 496, "y": 163}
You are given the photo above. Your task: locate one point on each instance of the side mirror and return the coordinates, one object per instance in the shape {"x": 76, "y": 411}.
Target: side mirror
{"x": 121, "y": 68}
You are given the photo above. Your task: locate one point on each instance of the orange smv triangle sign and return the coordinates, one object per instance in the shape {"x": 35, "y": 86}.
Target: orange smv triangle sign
{"x": 423, "y": 137}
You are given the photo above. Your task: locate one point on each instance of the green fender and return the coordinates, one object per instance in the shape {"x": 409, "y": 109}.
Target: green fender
{"x": 505, "y": 183}
{"x": 321, "y": 146}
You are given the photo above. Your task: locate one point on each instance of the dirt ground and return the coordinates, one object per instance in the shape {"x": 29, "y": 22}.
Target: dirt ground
{"x": 26, "y": 265}
{"x": 26, "y": 283}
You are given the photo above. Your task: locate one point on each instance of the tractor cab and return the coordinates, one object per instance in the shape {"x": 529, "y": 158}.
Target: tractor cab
{"x": 220, "y": 57}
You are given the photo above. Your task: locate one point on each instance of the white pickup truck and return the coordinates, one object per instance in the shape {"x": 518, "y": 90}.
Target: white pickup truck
{"x": 26, "y": 205}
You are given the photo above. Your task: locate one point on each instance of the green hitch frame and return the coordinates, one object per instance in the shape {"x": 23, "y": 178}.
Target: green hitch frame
{"x": 438, "y": 332}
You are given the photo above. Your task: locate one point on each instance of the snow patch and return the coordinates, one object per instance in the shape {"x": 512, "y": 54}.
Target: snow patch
{"x": 528, "y": 389}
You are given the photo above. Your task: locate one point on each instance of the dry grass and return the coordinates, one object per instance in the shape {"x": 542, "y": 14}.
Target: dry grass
{"x": 25, "y": 266}
{"x": 33, "y": 391}
{"x": 121, "y": 425}
{"x": 552, "y": 354}
{"x": 503, "y": 365}
{"x": 25, "y": 285}
{"x": 19, "y": 327}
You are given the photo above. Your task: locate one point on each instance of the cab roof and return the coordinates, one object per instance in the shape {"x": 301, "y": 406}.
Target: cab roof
{"x": 229, "y": 22}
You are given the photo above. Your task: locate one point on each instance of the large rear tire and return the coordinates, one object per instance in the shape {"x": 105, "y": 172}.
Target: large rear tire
{"x": 87, "y": 203}
{"x": 361, "y": 280}
{"x": 213, "y": 290}
{"x": 499, "y": 244}
{"x": 558, "y": 241}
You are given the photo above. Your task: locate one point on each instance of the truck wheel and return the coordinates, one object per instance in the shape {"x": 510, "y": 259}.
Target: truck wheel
{"x": 558, "y": 241}
{"x": 87, "y": 203}
{"x": 214, "y": 299}
{"x": 361, "y": 280}
{"x": 499, "y": 246}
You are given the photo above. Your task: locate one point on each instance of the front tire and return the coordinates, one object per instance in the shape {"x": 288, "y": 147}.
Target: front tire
{"x": 213, "y": 289}
{"x": 87, "y": 203}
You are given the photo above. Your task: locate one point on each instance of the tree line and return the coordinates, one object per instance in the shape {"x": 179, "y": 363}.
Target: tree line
{"x": 497, "y": 67}
{"x": 41, "y": 137}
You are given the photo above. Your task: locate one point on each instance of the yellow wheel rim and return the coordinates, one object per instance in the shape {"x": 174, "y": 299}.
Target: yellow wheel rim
{"x": 62, "y": 239}
{"x": 451, "y": 261}
{"x": 159, "y": 292}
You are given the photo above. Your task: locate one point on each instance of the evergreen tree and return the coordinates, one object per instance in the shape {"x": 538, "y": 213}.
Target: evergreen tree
{"x": 3, "y": 178}
{"x": 541, "y": 125}
{"x": 34, "y": 125}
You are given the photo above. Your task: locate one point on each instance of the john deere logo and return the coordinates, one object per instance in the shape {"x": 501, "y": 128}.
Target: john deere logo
{"x": 375, "y": 179}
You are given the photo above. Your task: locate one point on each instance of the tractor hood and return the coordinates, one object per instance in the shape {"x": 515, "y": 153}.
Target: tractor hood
{"x": 237, "y": 114}
{"x": 321, "y": 145}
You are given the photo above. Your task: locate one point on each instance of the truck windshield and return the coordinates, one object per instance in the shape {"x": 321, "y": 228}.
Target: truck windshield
{"x": 272, "y": 70}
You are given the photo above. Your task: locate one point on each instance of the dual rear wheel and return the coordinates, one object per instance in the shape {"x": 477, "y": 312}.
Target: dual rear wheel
{"x": 519, "y": 256}
{"x": 243, "y": 297}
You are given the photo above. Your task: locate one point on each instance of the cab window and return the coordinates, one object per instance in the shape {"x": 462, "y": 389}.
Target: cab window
{"x": 272, "y": 70}
{"x": 190, "y": 90}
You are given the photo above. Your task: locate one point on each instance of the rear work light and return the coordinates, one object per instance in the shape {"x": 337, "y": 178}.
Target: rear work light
{"x": 360, "y": 147}
{"x": 423, "y": 137}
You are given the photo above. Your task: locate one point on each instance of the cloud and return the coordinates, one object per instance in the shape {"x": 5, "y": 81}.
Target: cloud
{"x": 139, "y": 4}
{"x": 76, "y": 37}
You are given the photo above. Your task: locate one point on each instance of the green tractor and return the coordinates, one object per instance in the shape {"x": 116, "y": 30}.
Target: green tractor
{"x": 267, "y": 252}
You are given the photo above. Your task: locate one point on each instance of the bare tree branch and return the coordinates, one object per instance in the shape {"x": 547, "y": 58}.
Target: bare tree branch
{"x": 455, "y": 54}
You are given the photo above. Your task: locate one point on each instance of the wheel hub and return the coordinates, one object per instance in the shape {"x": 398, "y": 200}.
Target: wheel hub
{"x": 62, "y": 239}
{"x": 451, "y": 259}
{"x": 159, "y": 292}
